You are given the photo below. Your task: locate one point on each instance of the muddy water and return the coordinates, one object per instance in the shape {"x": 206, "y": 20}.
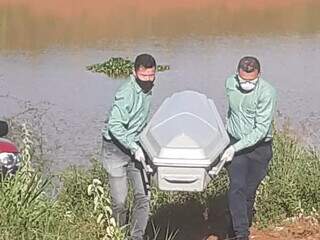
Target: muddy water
{"x": 44, "y": 48}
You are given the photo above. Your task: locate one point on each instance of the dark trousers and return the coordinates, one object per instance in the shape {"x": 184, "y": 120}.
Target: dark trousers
{"x": 246, "y": 171}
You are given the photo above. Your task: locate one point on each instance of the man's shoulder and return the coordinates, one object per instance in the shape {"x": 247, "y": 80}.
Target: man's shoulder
{"x": 231, "y": 78}
{"x": 125, "y": 90}
{"x": 230, "y": 81}
{"x": 267, "y": 88}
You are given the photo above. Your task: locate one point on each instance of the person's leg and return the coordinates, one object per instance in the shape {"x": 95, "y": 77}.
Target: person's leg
{"x": 119, "y": 190}
{"x": 141, "y": 208}
{"x": 115, "y": 162}
{"x": 259, "y": 161}
{"x": 237, "y": 199}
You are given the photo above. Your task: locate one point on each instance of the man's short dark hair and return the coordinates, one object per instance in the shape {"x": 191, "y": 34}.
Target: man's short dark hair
{"x": 144, "y": 60}
{"x": 249, "y": 64}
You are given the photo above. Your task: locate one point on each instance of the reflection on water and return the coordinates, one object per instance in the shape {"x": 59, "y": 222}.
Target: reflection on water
{"x": 45, "y": 46}
{"x": 37, "y": 24}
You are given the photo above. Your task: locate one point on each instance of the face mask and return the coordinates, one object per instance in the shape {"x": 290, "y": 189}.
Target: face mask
{"x": 247, "y": 85}
{"x": 146, "y": 86}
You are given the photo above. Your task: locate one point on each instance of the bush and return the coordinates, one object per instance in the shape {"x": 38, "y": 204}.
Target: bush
{"x": 292, "y": 186}
{"x": 27, "y": 210}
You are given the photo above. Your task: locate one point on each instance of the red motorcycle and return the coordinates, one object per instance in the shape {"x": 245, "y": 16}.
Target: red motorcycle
{"x": 9, "y": 154}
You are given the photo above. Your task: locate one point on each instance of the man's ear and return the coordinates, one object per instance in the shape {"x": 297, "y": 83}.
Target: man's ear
{"x": 134, "y": 72}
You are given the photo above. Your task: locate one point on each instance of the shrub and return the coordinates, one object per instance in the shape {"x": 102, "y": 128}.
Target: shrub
{"x": 292, "y": 186}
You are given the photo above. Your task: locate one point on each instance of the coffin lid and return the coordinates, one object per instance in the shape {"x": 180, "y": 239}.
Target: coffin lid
{"x": 186, "y": 130}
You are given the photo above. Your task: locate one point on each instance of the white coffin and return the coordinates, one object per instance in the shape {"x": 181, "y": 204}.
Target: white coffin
{"x": 183, "y": 141}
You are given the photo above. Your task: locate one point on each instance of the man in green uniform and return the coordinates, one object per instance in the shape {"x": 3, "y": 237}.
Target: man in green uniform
{"x": 121, "y": 150}
{"x": 249, "y": 124}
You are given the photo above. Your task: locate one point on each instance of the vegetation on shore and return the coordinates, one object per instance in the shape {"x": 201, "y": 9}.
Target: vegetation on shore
{"x": 81, "y": 209}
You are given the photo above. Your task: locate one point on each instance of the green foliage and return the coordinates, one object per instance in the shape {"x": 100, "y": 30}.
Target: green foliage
{"x": 292, "y": 186}
{"x": 27, "y": 212}
{"x": 117, "y": 67}
{"x": 215, "y": 188}
{"x": 102, "y": 205}
{"x": 23, "y": 204}
{"x": 82, "y": 208}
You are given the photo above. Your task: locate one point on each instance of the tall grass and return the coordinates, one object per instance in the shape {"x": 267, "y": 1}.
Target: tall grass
{"x": 27, "y": 212}
{"x": 292, "y": 186}
{"x": 22, "y": 200}
{"x": 81, "y": 209}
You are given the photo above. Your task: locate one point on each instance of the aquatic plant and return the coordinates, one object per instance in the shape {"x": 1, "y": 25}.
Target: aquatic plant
{"x": 118, "y": 67}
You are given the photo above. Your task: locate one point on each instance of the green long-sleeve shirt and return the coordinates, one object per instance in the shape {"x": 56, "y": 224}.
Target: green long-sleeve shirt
{"x": 129, "y": 114}
{"x": 250, "y": 114}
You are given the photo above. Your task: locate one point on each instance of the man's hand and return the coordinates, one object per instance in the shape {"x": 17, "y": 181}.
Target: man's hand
{"x": 228, "y": 154}
{"x": 139, "y": 155}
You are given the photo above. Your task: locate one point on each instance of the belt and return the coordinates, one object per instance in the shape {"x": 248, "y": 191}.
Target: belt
{"x": 264, "y": 140}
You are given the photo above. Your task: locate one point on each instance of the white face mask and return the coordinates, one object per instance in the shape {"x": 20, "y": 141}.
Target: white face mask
{"x": 247, "y": 85}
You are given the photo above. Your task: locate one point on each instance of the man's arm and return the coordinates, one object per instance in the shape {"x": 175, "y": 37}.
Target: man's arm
{"x": 265, "y": 111}
{"x": 119, "y": 120}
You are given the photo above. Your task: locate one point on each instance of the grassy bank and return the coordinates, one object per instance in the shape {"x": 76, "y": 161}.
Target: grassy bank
{"x": 81, "y": 209}
{"x": 292, "y": 187}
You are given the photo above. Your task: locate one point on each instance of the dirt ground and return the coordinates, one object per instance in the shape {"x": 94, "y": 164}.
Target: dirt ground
{"x": 305, "y": 229}
{"x": 190, "y": 224}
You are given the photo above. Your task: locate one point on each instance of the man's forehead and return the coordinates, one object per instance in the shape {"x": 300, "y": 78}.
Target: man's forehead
{"x": 146, "y": 70}
{"x": 255, "y": 71}
{"x": 248, "y": 76}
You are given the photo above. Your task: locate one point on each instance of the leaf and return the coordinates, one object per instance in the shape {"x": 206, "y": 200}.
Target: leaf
{"x": 96, "y": 182}
{"x": 108, "y": 210}
{"x": 99, "y": 218}
{"x": 100, "y": 189}
{"x": 113, "y": 222}
{"x": 90, "y": 187}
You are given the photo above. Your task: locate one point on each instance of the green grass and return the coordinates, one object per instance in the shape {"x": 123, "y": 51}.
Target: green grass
{"x": 292, "y": 186}
{"x": 28, "y": 210}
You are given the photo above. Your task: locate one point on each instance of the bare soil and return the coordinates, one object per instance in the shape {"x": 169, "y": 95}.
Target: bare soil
{"x": 190, "y": 223}
{"x": 306, "y": 229}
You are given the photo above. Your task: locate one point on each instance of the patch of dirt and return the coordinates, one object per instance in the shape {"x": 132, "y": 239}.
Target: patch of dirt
{"x": 304, "y": 228}
{"x": 192, "y": 222}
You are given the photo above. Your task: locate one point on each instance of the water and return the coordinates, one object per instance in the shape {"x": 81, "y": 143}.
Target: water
{"x": 44, "y": 48}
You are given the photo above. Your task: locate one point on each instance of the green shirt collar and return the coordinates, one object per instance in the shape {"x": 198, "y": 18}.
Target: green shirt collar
{"x": 135, "y": 84}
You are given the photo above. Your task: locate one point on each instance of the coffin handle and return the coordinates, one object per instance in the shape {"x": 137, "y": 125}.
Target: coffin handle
{"x": 185, "y": 179}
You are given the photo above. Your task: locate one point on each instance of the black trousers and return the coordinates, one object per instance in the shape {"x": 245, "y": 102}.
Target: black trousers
{"x": 246, "y": 171}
